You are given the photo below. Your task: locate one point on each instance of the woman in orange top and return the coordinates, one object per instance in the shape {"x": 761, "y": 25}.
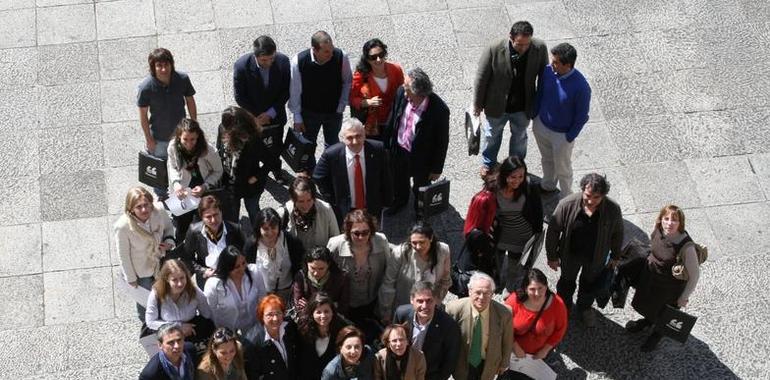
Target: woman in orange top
{"x": 374, "y": 85}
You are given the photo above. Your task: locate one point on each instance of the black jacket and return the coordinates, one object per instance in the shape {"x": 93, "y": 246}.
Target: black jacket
{"x": 331, "y": 175}
{"x": 253, "y": 96}
{"x": 312, "y": 364}
{"x": 196, "y": 247}
{"x": 250, "y": 163}
{"x": 154, "y": 370}
{"x": 266, "y": 361}
{"x": 442, "y": 342}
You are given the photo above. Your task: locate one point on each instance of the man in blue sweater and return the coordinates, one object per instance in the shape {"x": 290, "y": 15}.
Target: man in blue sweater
{"x": 562, "y": 107}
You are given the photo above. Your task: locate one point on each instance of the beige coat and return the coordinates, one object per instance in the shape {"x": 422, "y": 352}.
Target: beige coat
{"x": 209, "y": 164}
{"x": 138, "y": 250}
{"x": 415, "y": 367}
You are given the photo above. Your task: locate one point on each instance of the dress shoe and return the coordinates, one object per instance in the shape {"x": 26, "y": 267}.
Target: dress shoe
{"x": 637, "y": 325}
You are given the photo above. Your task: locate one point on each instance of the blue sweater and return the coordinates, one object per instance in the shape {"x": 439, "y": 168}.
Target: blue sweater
{"x": 563, "y": 103}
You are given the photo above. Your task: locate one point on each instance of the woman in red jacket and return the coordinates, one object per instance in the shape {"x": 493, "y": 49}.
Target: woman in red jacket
{"x": 374, "y": 86}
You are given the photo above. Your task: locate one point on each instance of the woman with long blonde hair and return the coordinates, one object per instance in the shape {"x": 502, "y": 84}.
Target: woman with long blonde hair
{"x": 223, "y": 359}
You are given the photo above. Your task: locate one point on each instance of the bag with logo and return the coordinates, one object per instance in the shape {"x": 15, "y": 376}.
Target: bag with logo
{"x": 434, "y": 198}
{"x": 152, "y": 170}
{"x": 675, "y": 323}
{"x": 272, "y": 138}
{"x": 472, "y": 132}
{"x": 678, "y": 270}
{"x": 297, "y": 150}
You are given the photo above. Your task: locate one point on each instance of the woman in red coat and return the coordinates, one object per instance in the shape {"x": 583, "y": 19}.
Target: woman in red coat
{"x": 374, "y": 86}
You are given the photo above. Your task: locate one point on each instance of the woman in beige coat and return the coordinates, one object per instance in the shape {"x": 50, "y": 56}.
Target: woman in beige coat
{"x": 143, "y": 235}
{"x": 399, "y": 360}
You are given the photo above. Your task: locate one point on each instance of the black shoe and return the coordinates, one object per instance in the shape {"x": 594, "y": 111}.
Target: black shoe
{"x": 547, "y": 192}
{"x": 637, "y": 326}
{"x": 651, "y": 342}
{"x": 282, "y": 178}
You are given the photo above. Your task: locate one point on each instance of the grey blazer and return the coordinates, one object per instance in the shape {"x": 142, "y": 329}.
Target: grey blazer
{"x": 494, "y": 76}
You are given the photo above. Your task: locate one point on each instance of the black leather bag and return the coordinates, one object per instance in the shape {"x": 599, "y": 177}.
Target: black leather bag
{"x": 434, "y": 198}
{"x": 152, "y": 171}
{"x": 675, "y": 323}
{"x": 272, "y": 138}
{"x": 472, "y": 133}
{"x": 297, "y": 151}
{"x": 460, "y": 277}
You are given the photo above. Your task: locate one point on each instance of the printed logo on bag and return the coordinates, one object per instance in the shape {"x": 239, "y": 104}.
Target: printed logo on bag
{"x": 268, "y": 141}
{"x": 292, "y": 150}
{"x": 437, "y": 198}
{"x": 151, "y": 171}
{"x": 675, "y": 324}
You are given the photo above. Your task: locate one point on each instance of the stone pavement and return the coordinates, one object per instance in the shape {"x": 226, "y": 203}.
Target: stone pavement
{"x": 680, "y": 114}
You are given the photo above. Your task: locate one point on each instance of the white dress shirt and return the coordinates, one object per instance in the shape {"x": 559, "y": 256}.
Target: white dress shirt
{"x": 350, "y": 162}
{"x": 214, "y": 248}
{"x": 230, "y": 308}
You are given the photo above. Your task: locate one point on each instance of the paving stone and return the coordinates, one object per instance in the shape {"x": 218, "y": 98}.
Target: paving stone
{"x": 75, "y": 244}
{"x": 238, "y": 14}
{"x": 751, "y": 124}
{"x": 51, "y": 3}
{"x": 294, "y": 38}
{"x": 102, "y": 373}
{"x": 16, "y": 4}
{"x": 656, "y": 185}
{"x": 125, "y": 18}
{"x": 228, "y": 87}
{"x": 597, "y": 17}
{"x": 87, "y": 295}
{"x": 68, "y": 63}
{"x": 760, "y": 165}
{"x": 79, "y": 25}
{"x": 621, "y": 186}
{"x": 725, "y": 180}
{"x": 70, "y": 149}
{"x": 19, "y": 67}
{"x": 21, "y": 200}
{"x": 406, "y": 6}
{"x": 20, "y": 256}
{"x": 285, "y": 12}
{"x": 197, "y": 51}
{"x": 615, "y": 92}
{"x": 350, "y": 36}
{"x": 615, "y": 53}
{"x": 435, "y": 32}
{"x": 71, "y": 104}
{"x": 85, "y": 196}
{"x": 208, "y": 91}
{"x": 466, "y": 25}
{"x": 122, "y": 143}
{"x": 17, "y": 28}
{"x": 119, "y": 100}
{"x": 741, "y": 229}
{"x": 23, "y": 304}
{"x": 456, "y": 4}
{"x": 19, "y": 153}
{"x": 114, "y": 257}
{"x": 645, "y": 139}
{"x": 125, "y": 307}
{"x": 444, "y": 71}
{"x": 233, "y": 43}
{"x": 176, "y": 16}
{"x": 126, "y": 57}
{"x": 594, "y": 148}
{"x": 549, "y": 19}
{"x": 726, "y": 276}
{"x": 710, "y": 134}
{"x": 210, "y": 125}
{"x": 357, "y": 8}
{"x": 117, "y": 182}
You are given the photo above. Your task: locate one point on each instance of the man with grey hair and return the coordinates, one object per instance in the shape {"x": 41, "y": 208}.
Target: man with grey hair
{"x": 175, "y": 359}
{"x": 320, "y": 86}
{"x": 486, "y": 329}
{"x": 417, "y": 136}
{"x": 354, "y": 173}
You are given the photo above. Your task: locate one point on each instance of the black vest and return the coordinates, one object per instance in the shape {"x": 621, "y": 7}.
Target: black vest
{"x": 321, "y": 84}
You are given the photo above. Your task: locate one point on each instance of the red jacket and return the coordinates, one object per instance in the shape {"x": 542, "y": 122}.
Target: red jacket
{"x": 365, "y": 87}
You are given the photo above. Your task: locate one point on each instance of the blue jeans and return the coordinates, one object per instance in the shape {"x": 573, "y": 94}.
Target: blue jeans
{"x": 161, "y": 151}
{"x": 331, "y": 123}
{"x": 145, "y": 282}
{"x": 493, "y": 136}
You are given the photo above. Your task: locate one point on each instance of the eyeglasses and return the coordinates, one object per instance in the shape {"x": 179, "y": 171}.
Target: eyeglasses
{"x": 274, "y": 314}
{"x": 373, "y": 57}
{"x": 224, "y": 335}
{"x": 360, "y": 233}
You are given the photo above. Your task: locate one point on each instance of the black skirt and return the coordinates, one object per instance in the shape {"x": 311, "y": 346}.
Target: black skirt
{"x": 654, "y": 291}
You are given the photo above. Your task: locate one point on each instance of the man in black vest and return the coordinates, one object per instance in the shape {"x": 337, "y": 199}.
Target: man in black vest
{"x": 320, "y": 86}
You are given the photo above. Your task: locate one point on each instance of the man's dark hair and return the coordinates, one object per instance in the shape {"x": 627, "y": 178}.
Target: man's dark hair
{"x": 522, "y": 27}
{"x": 596, "y": 182}
{"x": 320, "y": 38}
{"x": 423, "y": 286}
{"x": 159, "y": 55}
{"x": 566, "y": 53}
{"x": 264, "y": 45}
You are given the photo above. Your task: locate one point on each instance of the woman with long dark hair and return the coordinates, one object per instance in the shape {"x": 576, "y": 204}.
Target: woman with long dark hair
{"x": 234, "y": 291}
{"x": 321, "y": 274}
{"x": 308, "y": 218}
{"x": 375, "y": 82}
{"x": 421, "y": 258}
{"x": 319, "y": 324}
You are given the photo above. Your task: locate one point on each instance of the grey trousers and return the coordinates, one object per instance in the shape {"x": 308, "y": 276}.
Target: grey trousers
{"x": 556, "y": 157}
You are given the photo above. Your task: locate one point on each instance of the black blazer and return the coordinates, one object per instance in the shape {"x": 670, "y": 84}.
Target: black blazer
{"x": 431, "y": 135}
{"x": 252, "y": 95}
{"x": 331, "y": 176}
{"x": 293, "y": 244}
{"x": 251, "y": 163}
{"x": 313, "y": 365}
{"x": 265, "y": 361}
{"x": 154, "y": 370}
{"x": 196, "y": 248}
{"x": 442, "y": 342}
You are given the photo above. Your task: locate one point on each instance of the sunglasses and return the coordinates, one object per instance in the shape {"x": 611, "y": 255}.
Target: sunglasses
{"x": 360, "y": 233}
{"x": 224, "y": 335}
{"x": 373, "y": 57}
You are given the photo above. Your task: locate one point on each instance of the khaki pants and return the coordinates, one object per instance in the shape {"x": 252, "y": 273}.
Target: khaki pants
{"x": 556, "y": 157}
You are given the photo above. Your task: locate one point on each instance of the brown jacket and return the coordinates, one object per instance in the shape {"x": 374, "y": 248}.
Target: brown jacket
{"x": 415, "y": 367}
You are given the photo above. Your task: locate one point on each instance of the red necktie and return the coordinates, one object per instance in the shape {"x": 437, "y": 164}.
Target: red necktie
{"x": 359, "y": 184}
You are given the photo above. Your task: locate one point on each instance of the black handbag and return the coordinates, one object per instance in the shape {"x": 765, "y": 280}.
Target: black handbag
{"x": 434, "y": 198}
{"x": 472, "y": 134}
{"x": 460, "y": 277}
{"x": 675, "y": 323}
{"x": 152, "y": 171}
{"x": 297, "y": 151}
{"x": 272, "y": 138}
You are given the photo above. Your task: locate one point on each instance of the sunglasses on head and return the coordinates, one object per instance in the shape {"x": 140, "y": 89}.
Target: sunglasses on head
{"x": 373, "y": 57}
{"x": 224, "y": 334}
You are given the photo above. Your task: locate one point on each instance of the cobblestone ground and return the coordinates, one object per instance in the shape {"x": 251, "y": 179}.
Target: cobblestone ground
{"x": 680, "y": 114}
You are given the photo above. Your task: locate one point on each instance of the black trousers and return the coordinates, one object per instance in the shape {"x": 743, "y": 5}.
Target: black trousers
{"x": 404, "y": 169}
{"x": 567, "y": 283}
{"x": 474, "y": 373}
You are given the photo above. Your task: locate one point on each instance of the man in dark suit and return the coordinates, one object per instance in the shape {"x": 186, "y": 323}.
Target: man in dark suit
{"x": 417, "y": 136}
{"x": 434, "y": 332}
{"x": 176, "y": 360}
{"x": 261, "y": 86}
{"x": 354, "y": 173}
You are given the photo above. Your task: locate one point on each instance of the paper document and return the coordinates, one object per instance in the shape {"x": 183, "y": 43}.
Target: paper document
{"x": 181, "y": 206}
{"x": 534, "y": 368}
{"x": 138, "y": 294}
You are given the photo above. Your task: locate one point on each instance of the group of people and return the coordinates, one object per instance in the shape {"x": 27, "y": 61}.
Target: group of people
{"x": 313, "y": 288}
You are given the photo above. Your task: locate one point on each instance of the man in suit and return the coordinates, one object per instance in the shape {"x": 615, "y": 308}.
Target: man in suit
{"x": 434, "y": 332}
{"x": 505, "y": 90}
{"x": 417, "y": 136}
{"x": 261, "y": 86}
{"x": 487, "y": 332}
{"x": 354, "y": 173}
{"x": 176, "y": 360}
